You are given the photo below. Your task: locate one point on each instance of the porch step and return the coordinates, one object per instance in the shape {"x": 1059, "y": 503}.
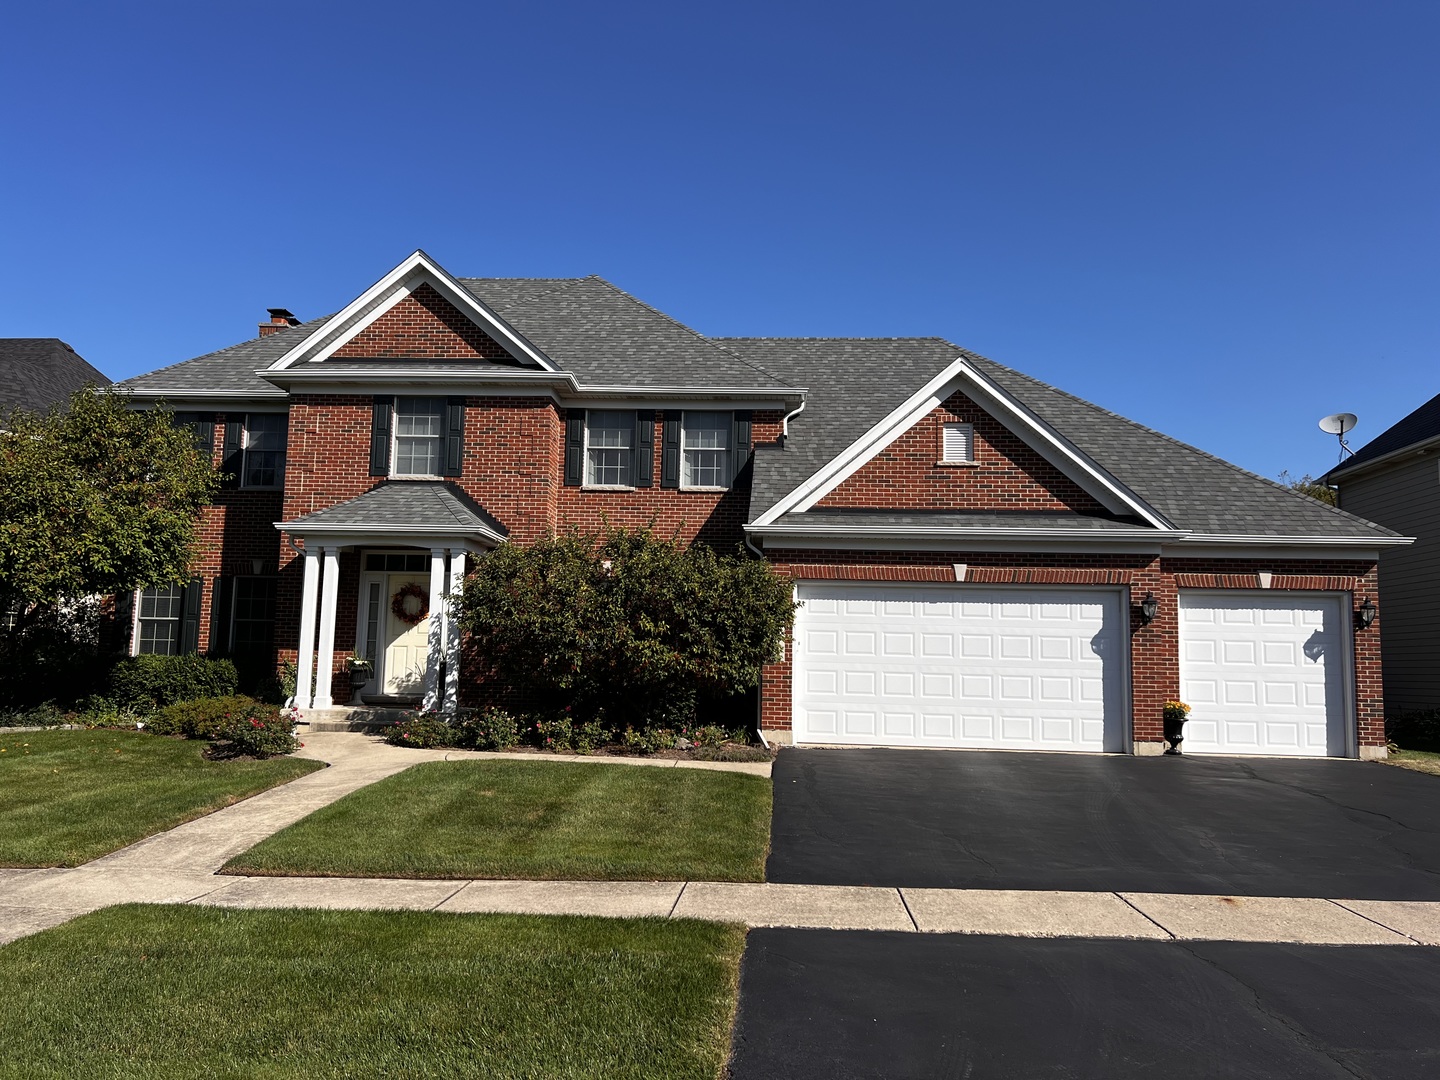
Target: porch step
{"x": 350, "y": 718}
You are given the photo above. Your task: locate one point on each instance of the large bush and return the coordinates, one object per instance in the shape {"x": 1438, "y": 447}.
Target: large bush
{"x": 624, "y": 626}
{"x": 1417, "y": 730}
{"x": 156, "y": 681}
{"x": 202, "y": 718}
{"x": 260, "y": 731}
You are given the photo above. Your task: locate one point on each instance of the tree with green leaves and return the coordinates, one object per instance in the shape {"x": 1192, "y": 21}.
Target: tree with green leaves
{"x": 1311, "y": 486}
{"x": 95, "y": 498}
{"x": 624, "y": 626}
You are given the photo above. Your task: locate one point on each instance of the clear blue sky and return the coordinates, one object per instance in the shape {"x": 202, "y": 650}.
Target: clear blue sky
{"x": 1217, "y": 218}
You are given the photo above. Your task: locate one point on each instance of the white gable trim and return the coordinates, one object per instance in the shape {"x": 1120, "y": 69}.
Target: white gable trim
{"x": 1033, "y": 431}
{"x": 344, "y": 326}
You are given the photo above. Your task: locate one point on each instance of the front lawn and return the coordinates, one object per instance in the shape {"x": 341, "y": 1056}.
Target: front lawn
{"x": 180, "y": 992}
{"x": 67, "y": 797}
{"x": 1418, "y": 760}
{"x": 521, "y": 819}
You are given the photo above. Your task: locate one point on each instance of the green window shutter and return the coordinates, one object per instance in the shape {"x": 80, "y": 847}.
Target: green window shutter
{"x": 380, "y": 436}
{"x": 190, "y": 620}
{"x": 644, "y": 448}
{"x": 454, "y": 437}
{"x": 221, "y": 598}
{"x": 233, "y": 459}
{"x": 740, "y": 442}
{"x": 575, "y": 448}
{"x": 670, "y": 451}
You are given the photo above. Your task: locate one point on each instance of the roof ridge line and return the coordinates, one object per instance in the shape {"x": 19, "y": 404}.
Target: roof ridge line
{"x": 1169, "y": 438}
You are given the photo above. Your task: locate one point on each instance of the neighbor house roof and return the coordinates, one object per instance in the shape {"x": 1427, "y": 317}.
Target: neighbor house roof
{"x": 36, "y": 373}
{"x": 418, "y": 505}
{"x": 855, "y": 383}
{"x": 1420, "y": 426}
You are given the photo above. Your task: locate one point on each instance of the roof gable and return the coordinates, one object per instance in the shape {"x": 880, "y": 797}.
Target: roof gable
{"x": 424, "y": 326}
{"x": 36, "y": 373}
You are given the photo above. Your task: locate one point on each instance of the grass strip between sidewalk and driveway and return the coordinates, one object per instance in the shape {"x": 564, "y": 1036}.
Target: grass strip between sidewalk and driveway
{"x": 543, "y": 820}
{"x": 164, "y": 992}
{"x": 1415, "y": 760}
{"x": 67, "y": 797}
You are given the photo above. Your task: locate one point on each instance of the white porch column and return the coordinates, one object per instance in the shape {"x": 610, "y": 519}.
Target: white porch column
{"x": 452, "y": 632}
{"x": 325, "y": 660}
{"x": 431, "y": 685}
{"x": 305, "y": 662}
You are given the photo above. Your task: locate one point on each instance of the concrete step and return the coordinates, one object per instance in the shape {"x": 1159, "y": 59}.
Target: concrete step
{"x": 350, "y": 718}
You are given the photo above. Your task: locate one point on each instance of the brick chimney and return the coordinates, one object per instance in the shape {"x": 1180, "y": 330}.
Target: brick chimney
{"x": 279, "y": 320}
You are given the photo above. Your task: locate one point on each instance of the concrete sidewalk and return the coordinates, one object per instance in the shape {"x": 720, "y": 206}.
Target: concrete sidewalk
{"x": 179, "y": 867}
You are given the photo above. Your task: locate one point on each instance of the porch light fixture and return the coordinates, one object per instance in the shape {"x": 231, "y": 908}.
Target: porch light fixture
{"x": 1367, "y": 613}
{"x": 1149, "y": 608}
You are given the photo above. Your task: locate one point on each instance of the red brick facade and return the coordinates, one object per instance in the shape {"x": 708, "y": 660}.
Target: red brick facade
{"x": 424, "y": 325}
{"x": 1006, "y": 474}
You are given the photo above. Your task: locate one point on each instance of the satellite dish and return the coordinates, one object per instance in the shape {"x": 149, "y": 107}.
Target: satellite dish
{"x": 1338, "y": 424}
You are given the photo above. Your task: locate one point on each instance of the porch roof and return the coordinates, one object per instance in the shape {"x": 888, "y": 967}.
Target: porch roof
{"x": 424, "y": 510}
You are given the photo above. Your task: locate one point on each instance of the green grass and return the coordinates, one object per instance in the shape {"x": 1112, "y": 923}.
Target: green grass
{"x": 181, "y": 992}
{"x": 1416, "y": 760}
{"x": 521, "y": 819}
{"x": 67, "y": 797}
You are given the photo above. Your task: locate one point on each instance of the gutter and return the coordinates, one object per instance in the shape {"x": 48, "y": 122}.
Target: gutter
{"x": 1348, "y": 470}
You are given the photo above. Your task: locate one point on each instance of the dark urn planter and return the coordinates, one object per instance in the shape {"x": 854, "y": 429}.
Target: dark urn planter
{"x": 1174, "y": 733}
{"x": 359, "y": 676}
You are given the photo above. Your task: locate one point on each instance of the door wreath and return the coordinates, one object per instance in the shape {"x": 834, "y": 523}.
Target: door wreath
{"x": 406, "y": 612}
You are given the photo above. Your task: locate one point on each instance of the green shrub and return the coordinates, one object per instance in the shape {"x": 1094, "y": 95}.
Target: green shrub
{"x": 1417, "y": 730}
{"x": 97, "y": 712}
{"x": 42, "y": 715}
{"x": 204, "y": 718}
{"x": 488, "y": 729}
{"x": 261, "y": 731}
{"x": 423, "y": 731}
{"x": 625, "y": 624}
{"x": 588, "y": 737}
{"x": 714, "y": 735}
{"x": 553, "y": 732}
{"x": 150, "y": 682}
{"x": 648, "y": 740}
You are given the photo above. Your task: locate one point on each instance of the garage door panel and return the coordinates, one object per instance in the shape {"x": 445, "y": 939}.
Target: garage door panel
{"x": 1036, "y": 668}
{"x": 1263, "y": 672}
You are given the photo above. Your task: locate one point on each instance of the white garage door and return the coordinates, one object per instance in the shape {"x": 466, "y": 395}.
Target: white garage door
{"x": 1264, "y": 673}
{"x": 959, "y": 665}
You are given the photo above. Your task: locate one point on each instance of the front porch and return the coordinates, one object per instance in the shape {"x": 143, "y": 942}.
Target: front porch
{"x": 405, "y": 546}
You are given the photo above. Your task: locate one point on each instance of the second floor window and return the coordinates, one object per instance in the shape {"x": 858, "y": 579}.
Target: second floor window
{"x": 419, "y": 432}
{"x": 705, "y": 450}
{"x": 609, "y": 443}
{"x": 263, "y": 464}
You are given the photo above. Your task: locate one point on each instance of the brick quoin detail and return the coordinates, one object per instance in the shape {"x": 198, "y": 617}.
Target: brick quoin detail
{"x": 1007, "y": 474}
{"x": 424, "y": 325}
{"x": 1154, "y": 649}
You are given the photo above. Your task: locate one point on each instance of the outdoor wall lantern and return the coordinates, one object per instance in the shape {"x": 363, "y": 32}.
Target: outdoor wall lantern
{"x": 1367, "y": 613}
{"x": 1149, "y": 608}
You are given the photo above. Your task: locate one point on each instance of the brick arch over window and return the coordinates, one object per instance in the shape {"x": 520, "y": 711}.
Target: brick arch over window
{"x": 1005, "y": 475}
{"x": 426, "y": 326}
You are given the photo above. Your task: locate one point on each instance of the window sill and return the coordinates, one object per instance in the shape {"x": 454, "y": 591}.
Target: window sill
{"x": 418, "y": 476}
{"x": 956, "y": 464}
{"x": 702, "y": 490}
{"x": 607, "y": 487}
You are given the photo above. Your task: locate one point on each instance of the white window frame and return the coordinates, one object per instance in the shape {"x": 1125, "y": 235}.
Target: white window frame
{"x": 135, "y": 623}
{"x": 245, "y": 453}
{"x": 395, "y": 438}
{"x": 628, "y": 470}
{"x": 727, "y": 468}
{"x": 969, "y": 431}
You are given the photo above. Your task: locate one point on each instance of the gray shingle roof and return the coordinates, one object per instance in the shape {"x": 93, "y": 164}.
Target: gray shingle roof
{"x": 228, "y": 370}
{"x": 36, "y": 373}
{"x": 431, "y": 504}
{"x": 994, "y": 519}
{"x": 856, "y": 382}
{"x": 1419, "y": 426}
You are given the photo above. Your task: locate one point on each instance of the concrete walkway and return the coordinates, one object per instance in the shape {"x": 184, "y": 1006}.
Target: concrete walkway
{"x": 179, "y": 867}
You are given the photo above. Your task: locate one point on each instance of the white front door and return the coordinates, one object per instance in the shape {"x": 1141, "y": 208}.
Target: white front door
{"x": 1017, "y": 667}
{"x": 1264, "y": 673}
{"x": 407, "y": 645}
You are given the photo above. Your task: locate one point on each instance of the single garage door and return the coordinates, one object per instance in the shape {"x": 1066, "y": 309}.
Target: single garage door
{"x": 958, "y": 665}
{"x": 1264, "y": 673}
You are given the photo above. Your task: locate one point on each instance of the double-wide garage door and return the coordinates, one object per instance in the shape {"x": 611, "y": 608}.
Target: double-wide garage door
{"x": 1046, "y": 668}
{"x": 960, "y": 665}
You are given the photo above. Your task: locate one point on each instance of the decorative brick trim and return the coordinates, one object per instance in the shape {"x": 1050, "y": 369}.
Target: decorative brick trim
{"x": 997, "y": 575}
{"x": 1293, "y": 582}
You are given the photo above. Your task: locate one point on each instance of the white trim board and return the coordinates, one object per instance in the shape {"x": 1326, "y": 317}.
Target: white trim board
{"x": 1028, "y": 427}
{"x": 404, "y": 279}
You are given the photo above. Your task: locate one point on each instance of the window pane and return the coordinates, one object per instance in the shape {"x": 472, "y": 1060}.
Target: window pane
{"x": 254, "y": 615}
{"x": 705, "y": 442}
{"x": 419, "y": 424}
{"x": 159, "y": 629}
{"x": 706, "y": 430}
{"x": 609, "y": 438}
{"x": 264, "y": 450}
{"x": 372, "y": 622}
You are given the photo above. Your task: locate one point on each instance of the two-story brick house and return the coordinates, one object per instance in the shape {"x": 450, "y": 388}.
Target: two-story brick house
{"x": 983, "y": 560}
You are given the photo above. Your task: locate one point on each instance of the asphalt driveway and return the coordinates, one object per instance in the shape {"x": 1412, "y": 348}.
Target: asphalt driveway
{"x": 981, "y": 820}
{"x": 836, "y": 1005}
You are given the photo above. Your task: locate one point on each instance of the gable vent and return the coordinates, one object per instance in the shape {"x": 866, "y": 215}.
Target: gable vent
{"x": 958, "y": 443}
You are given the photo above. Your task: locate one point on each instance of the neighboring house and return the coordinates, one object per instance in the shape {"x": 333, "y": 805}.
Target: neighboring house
{"x": 1395, "y": 479}
{"x": 36, "y": 373}
{"x": 975, "y": 551}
